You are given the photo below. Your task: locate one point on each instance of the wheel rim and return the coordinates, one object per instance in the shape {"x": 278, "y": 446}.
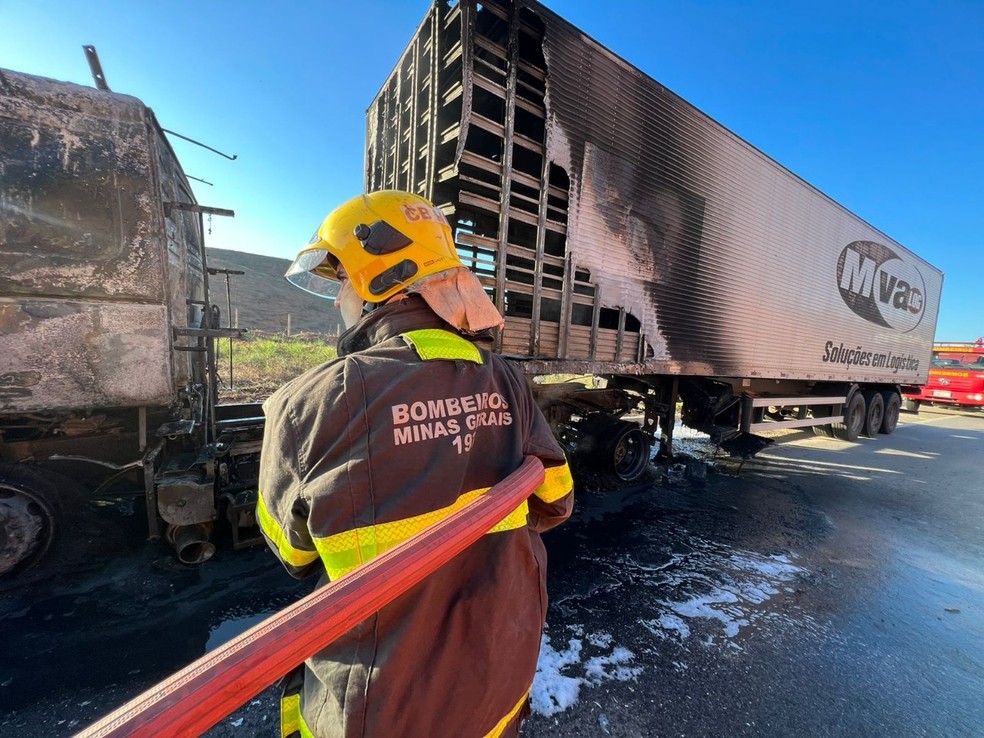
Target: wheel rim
{"x": 892, "y": 407}
{"x": 26, "y": 524}
{"x": 877, "y": 415}
{"x": 857, "y": 417}
{"x": 631, "y": 454}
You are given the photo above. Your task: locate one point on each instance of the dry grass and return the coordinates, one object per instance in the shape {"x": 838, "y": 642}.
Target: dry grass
{"x": 262, "y": 363}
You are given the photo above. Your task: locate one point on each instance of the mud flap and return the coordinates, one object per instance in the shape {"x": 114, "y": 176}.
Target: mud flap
{"x": 745, "y": 444}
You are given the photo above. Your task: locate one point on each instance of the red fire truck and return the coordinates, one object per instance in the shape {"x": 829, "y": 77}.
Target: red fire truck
{"x": 956, "y": 377}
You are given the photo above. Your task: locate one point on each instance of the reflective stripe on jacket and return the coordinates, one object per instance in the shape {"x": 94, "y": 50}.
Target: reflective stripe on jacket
{"x": 292, "y": 723}
{"x": 368, "y": 450}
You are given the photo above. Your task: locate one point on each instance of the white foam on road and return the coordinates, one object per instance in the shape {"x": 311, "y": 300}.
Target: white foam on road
{"x": 560, "y": 674}
{"x": 727, "y": 587}
{"x": 713, "y": 590}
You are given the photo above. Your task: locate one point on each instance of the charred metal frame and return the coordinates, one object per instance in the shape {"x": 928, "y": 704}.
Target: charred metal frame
{"x": 472, "y": 84}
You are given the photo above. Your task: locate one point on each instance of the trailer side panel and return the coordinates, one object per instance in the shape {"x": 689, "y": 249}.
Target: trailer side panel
{"x": 621, "y": 230}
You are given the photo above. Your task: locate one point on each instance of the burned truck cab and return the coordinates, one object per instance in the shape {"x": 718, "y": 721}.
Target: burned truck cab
{"x": 106, "y": 330}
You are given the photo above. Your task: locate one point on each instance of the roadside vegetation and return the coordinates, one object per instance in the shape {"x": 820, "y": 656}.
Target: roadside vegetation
{"x": 263, "y": 362}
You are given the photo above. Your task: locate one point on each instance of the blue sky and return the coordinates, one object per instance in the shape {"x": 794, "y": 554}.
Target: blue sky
{"x": 878, "y": 104}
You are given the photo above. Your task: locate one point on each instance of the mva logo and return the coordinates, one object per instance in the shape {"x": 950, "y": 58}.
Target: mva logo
{"x": 879, "y": 286}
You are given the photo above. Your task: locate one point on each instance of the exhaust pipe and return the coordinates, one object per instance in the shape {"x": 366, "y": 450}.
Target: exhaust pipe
{"x": 191, "y": 542}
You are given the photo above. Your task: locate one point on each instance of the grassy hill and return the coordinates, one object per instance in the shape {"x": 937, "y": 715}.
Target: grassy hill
{"x": 263, "y": 298}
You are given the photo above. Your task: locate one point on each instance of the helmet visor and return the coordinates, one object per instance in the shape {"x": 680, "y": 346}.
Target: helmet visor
{"x": 313, "y": 272}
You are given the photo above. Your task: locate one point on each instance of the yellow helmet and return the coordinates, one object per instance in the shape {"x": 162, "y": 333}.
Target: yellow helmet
{"x": 383, "y": 241}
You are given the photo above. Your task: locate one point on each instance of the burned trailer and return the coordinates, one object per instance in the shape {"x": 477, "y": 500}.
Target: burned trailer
{"x": 627, "y": 236}
{"x": 107, "y": 363}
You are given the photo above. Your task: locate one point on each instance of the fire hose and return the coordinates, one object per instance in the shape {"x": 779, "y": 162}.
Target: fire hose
{"x": 194, "y": 699}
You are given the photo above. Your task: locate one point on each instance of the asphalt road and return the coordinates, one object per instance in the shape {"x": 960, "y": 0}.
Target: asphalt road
{"x": 826, "y": 589}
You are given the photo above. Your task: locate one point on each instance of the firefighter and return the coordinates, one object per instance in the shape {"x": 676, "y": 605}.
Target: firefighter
{"x": 410, "y": 422}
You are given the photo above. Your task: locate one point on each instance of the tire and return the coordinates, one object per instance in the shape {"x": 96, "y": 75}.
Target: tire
{"x": 34, "y": 507}
{"x": 774, "y": 413}
{"x": 874, "y": 414}
{"x": 893, "y": 405}
{"x": 854, "y": 417}
{"x": 614, "y": 447}
{"x": 910, "y": 406}
{"x": 630, "y": 454}
{"x": 825, "y": 431}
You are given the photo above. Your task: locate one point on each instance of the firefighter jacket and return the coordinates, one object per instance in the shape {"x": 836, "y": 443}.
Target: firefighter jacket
{"x": 411, "y": 422}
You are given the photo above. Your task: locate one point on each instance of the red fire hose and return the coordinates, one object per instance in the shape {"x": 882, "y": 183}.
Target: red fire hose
{"x": 200, "y": 695}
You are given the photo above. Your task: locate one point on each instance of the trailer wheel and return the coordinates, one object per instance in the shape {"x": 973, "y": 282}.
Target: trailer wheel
{"x": 874, "y": 413}
{"x": 893, "y": 405}
{"x": 823, "y": 411}
{"x": 613, "y": 446}
{"x": 30, "y": 509}
{"x": 631, "y": 454}
{"x": 854, "y": 417}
